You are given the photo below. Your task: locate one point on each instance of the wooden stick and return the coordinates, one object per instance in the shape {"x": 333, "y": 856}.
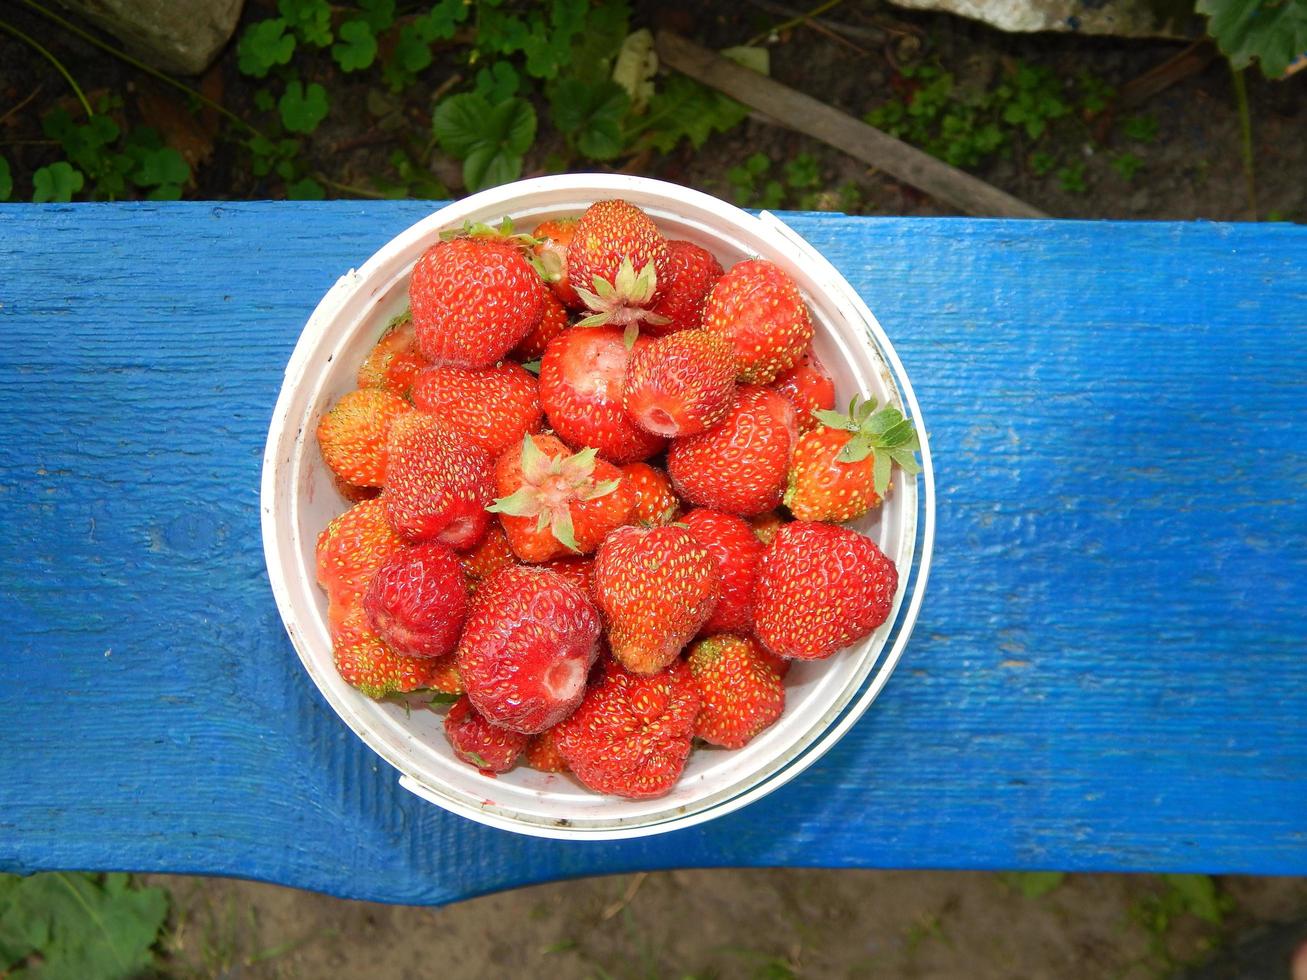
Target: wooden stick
{"x": 808, "y": 115}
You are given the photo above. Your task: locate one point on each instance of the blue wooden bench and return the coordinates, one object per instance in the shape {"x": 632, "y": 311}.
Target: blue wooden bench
{"x": 1110, "y": 671}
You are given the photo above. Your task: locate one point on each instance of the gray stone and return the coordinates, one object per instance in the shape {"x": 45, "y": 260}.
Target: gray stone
{"x": 182, "y": 36}
{"x": 1121, "y": 18}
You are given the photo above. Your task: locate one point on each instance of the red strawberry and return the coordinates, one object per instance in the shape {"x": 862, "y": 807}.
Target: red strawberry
{"x": 757, "y": 307}
{"x": 554, "y": 504}
{"x": 821, "y": 587}
{"x": 809, "y": 387}
{"x": 552, "y": 323}
{"x": 680, "y": 385}
{"x": 740, "y": 466}
{"x": 365, "y": 662}
{"x": 351, "y": 548}
{"x": 781, "y": 665}
{"x": 655, "y": 503}
{"x": 656, "y": 587}
{"x": 692, "y": 273}
{"x": 395, "y": 360}
{"x": 542, "y": 753}
{"x": 631, "y": 735}
{"x": 576, "y": 570}
{"x": 553, "y": 238}
{"x": 351, "y": 493}
{"x": 444, "y": 677}
{"x": 617, "y": 262}
{"x": 527, "y": 648}
{"x": 492, "y": 408}
{"x": 353, "y": 435}
{"x": 437, "y": 484}
{"x": 473, "y": 300}
{"x": 736, "y": 550}
{"x": 478, "y": 743}
{"x": 488, "y": 557}
{"x": 741, "y": 694}
{"x": 841, "y": 470}
{"x": 582, "y": 377}
{"x": 417, "y": 601}
{"x": 766, "y": 525}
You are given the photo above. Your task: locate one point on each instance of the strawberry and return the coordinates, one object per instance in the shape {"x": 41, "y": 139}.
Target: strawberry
{"x": 617, "y": 261}
{"x": 766, "y": 525}
{"x": 542, "y": 753}
{"x": 552, "y": 323}
{"x": 350, "y": 492}
{"x": 417, "y": 600}
{"x": 582, "y": 377}
{"x": 351, "y": 548}
{"x": 841, "y": 470}
{"x": 740, "y": 693}
{"x": 553, "y": 504}
{"x": 394, "y": 360}
{"x": 757, "y": 307}
{"x": 631, "y": 735}
{"x": 680, "y": 385}
{"x": 692, "y": 272}
{"x": 656, "y": 586}
{"x": 739, "y": 466}
{"x": 552, "y": 240}
{"x": 479, "y": 743}
{"x": 443, "y": 676}
{"x": 492, "y": 408}
{"x": 367, "y": 663}
{"x": 473, "y": 300}
{"x": 655, "y": 503}
{"x": 437, "y": 484}
{"x": 527, "y": 648}
{"x": 488, "y": 557}
{"x": 353, "y": 435}
{"x": 809, "y": 387}
{"x": 781, "y": 665}
{"x": 736, "y": 550}
{"x": 577, "y": 570}
{"x": 821, "y": 587}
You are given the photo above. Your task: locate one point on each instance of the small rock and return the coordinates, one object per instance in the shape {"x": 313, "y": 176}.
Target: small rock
{"x": 1120, "y": 18}
{"x": 182, "y": 36}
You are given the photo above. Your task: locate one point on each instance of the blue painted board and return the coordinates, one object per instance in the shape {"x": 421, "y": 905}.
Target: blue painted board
{"x": 1109, "y": 672}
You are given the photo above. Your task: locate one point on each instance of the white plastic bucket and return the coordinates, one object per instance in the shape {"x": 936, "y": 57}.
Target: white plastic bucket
{"x": 823, "y": 699}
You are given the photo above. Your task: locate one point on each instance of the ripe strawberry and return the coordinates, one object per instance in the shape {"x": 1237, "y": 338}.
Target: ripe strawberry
{"x": 809, "y": 387}
{"x": 366, "y": 662}
{"x": 553, "y": 239}
{"x": 395, "y": 360}
{"x": 527, "y": 648}
{"x": 680, "y": 385}
{"x": 781, "y": 665}
{"x": 552, "y": 323}
{"x": 582, "y": 377}
{"x": 488, "y": 557}
{"x": 553, "y": 504}
{"x": 351, "y": 548}
{"x": 352, "y": 436}
{"x": 473, "y": 300}
{"x": 741, "y": 694}
{"x": 736, "y": 550}
{"x": 492, "y": 408}
{"x": 757, "y": 307}
{"x": 617, "y": 262}
{"x": 542, "y": 753}
{"x": 444, "y": 677}
{"x": 739, "y": 466}
{"x": 692, "y": 272}
{"x": 841, "y": 470}
{"x": 479, "y": 743}
{"x": 577, "y": 570}
{"x": 437, "y": 484}
{"x": 417, "y": 601}
{"x": 655, "y": 503}
{"x": 821, "y": 587}
{"x": 631, "y": 735}
{"x": 656, "y": 587}
{"x": 766, "y": 525}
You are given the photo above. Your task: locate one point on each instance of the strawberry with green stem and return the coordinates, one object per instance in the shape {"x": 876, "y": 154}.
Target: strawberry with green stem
{"x": 617, "y": 262}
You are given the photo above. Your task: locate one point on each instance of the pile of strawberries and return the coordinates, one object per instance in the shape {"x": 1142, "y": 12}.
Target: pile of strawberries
{"x": 592, "y": 563}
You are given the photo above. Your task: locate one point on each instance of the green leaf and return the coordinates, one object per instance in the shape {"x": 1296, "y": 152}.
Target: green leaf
{"x": 684, "y": 109}
{"x": 162, "y": 166}
{"x": 57, "y": 182}
{"x": 595, "y": 49}
{"x": 305, "y": 189}
{"x": 1275, "y": 33}
{"x": 264, "y": 100}
{"x": 357, "y": 47}
{"x": 303, "y": 108}
{"x": 590, "y": 116}
{"x": 532, "y": 366}
{"x": 6, "y": 180}
{"x": 496, "y": 82}
{"x": 880, "y": 473}
{"x": 264, "y": 45}
{"x": 1032, "y": 884}
{"x": 310, "y": 19}
{"x": 856, "y": 449}
{"x": 489, "y": 139}
{"x": 563, "y": 531}
{"x": 380, "y": 14}
{"x": 1197, "y": 895}
{"x": 442, "y": 20}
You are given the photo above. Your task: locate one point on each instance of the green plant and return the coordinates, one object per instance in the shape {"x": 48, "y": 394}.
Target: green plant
{"x": 6, "y": 180}
{"x": 745, "y": 178}
{"x": 490, "y": 139}
{"x": 1095, "y": 93}
{"x": 1126, "y": 164}
{"x": 1071, "y": 178}
{"x": 1181, "y": 895}
{"x": 1041, "y": 163}
{"x": 68, "y": 924}
{"x": 1141, "y": 128}
{"x": 1273, "y": 33}
{"x": 1032, "y": 100}
{"x": 99, "y": 152}
{"x": 1032, "y": 884}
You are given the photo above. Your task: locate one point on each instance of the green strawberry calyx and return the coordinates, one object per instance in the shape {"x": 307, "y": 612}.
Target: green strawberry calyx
{"x": 883, "y": 431}
{"x": 479, "y": 229}
{"x": 550, "y": 484}
{"x": 624, "y": 301}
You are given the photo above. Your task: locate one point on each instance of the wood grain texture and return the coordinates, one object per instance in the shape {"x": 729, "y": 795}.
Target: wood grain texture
{"x": 1109, "y": 672}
